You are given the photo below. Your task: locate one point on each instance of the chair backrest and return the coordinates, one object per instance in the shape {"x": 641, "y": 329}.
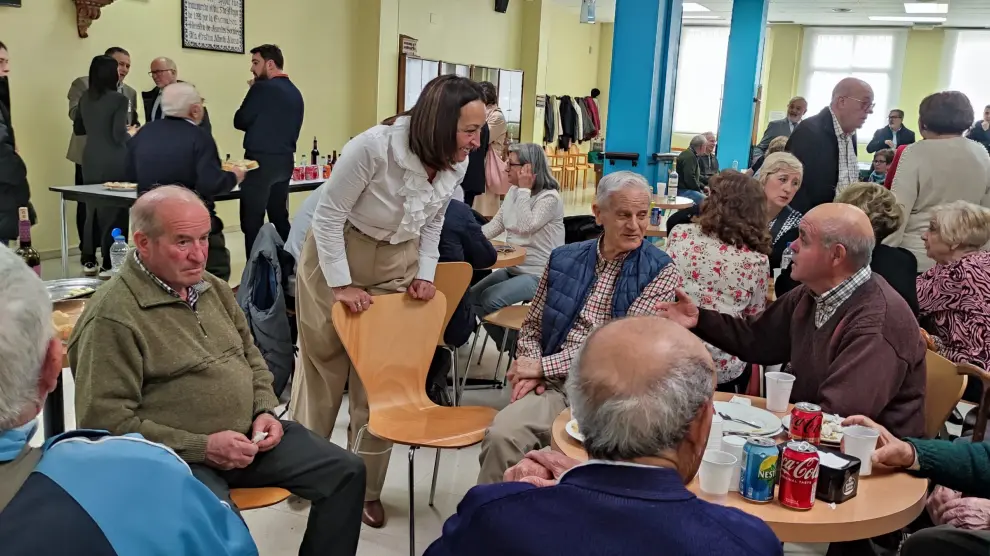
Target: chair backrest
{"x": 943, "y": 390}
{"x": 391, "y": 346}
{"x": 452, "y": 279}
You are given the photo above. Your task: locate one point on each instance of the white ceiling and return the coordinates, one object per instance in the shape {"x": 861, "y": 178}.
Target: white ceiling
{"x": 962, "y": 13}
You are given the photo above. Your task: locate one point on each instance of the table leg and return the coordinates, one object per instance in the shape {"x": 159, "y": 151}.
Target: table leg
{"x": 65, "y": 241}
{"x": 54, "y": 417}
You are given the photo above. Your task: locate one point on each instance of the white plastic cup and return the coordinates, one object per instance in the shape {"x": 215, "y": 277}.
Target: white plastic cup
{"x": 860, "y": 441}
{"x": 734, "y": 444}
{"x": 779, "y": 387}
{"x": 715, "y": 434}
{"x": 716, "y": 472}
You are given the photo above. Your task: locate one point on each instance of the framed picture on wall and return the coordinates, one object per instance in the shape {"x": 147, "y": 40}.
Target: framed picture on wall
{"x": 216, "y": 25}
{"x": 14, "y": 3}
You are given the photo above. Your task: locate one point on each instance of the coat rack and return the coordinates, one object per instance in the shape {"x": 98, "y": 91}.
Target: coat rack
{"x": 88, "y": 11}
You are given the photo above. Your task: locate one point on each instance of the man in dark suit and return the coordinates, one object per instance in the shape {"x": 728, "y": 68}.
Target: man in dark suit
{"x": 826, "y": 144}
{"x": 892, "y": 135}
{"x": 164, "y": 72}
{"x": 642, "y": 389}
{"x": 796, "y": 109}
{"x": 176, "y": 150}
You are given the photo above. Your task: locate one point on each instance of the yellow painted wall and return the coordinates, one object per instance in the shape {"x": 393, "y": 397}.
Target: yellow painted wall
{"x": 464, "y": 31}
{"x": 316, "y": 37}
{"x": 922, "y": 62}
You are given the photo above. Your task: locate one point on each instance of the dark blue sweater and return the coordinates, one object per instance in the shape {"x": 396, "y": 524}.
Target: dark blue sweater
{"x": 271, "y": 117}
{"x": 462, "y": 240}
{"x": 600, "y": 510}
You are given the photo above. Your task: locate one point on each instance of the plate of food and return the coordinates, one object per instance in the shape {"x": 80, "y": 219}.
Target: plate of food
{"x": 746, "y": 419}
{"x": 831, "y": 427}
{"x": 246, "y": 165}
{"x": 64, "y": 318}
{"x": 572, "y": 429}
{"x": 120, "y": 186}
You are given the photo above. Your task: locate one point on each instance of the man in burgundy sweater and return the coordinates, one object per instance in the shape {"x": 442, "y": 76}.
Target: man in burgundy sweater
{"x": 852, "y": 341}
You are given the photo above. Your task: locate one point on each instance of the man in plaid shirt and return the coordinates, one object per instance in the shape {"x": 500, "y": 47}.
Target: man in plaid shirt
{"x": 584, "y": 286}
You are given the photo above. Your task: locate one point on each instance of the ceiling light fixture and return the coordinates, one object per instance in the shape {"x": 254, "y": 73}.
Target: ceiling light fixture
{"x": 688, "y": 7}
{"x": 907, "y": 18}
{"x": 926, "y": 8}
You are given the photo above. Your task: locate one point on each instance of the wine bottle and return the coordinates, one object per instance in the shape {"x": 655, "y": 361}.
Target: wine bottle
{"x": 314, "y": 155}
{"x": 25, "y": 251}
{"x": 334, "y": 161}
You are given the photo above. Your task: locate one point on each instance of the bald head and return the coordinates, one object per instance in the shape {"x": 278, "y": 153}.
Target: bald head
{"x": 163, "y": 72}
{"x": 637, "y": 385}
{"x": 181, "y": 100}
{"x": 151, "y": 210}
{"x": 852, "y": 103}
{"x": 836, "y": 240}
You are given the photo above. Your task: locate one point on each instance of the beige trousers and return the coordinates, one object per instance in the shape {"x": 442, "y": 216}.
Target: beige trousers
{"x": 324, "y": 368}
{"x": 522, "y": 426}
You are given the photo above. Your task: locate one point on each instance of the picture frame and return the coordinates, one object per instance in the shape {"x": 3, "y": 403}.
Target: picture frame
{"x": 214, "y": 25}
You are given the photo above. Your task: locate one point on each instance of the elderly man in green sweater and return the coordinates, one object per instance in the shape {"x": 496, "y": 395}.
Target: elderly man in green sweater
{"x": 164, "y": 350}
{"x": 963, "y": 467}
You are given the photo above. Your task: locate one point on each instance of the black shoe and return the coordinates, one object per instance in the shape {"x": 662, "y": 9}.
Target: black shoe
{"x": 90, "y": 269}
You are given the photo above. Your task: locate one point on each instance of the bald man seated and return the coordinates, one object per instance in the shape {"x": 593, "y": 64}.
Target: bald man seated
{"x": 641, "y": 389}
{"x": 852, "y": 341}
{"x": 163, "y": 350}
{"x": 176, "y": 151}
{"x": 164, "y": 72}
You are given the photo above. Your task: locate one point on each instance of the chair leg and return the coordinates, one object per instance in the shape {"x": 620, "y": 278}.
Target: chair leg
{"x": 412, "y": 507}
{"x": 436, "y": 468}
{"x": 358, "y": 438}
{"x": 477, "y": 332}
{"x": 483, "y": 340}
{"x": 453, "y": 365}
{"x": 505, "y": 337}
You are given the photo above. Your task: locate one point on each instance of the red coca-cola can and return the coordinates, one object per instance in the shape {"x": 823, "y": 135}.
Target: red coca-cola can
{"x": 299, "y": 173}
{"x": 798, "y": 476}
{"x": 312, "y": 172}
{"x": 806, "y": 423}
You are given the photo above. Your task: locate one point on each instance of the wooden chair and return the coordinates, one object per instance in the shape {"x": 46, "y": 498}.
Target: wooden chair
{"x": 509, "y": 318}
{"x": 976, "y": 373}
{"x": 391, "y": 346}
{"x": 452, "y": 279}
{"x": 582, "y": 166}
{"x": 944, "y": 388}
{"x": 254, "y": 498}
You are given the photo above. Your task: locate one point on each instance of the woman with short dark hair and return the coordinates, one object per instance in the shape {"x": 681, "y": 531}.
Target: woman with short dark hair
{"x": 376, "y": 231}
{"x": 945, "y": 167}
{"x": 723, "y": 256}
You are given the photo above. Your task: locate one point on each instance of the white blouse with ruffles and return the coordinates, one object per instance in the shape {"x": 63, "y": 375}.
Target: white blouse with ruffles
{"x": 382, "y": 189}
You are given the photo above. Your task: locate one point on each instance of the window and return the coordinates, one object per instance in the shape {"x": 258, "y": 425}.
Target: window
{"x": 700, "y": 78}
{"x": 871, "y": 55}
{"x": 966, "y": 55}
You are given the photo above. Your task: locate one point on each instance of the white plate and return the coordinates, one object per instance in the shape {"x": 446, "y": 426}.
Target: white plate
{"x": 835, "y": 439}
{"x": 572, "y": 429}
{"x": 769, "y": 423}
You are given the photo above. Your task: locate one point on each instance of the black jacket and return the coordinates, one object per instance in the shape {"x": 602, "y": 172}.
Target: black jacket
{"x": 978, "y": 134}
{"x": 474, "y": 177}
{"x": 14, "y": 189}
{"x": 174, "y": 151}
{"x": 568, "y": 122}
{"x": 461, "y": 240}
{"x": 815, "y": 145}
{"x": 904, "y": 137}
{"x": 271, "y": 116}
{"x": 149, "y": 97}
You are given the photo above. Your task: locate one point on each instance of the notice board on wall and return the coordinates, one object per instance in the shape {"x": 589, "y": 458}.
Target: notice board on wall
{"x": 213, "y": 25}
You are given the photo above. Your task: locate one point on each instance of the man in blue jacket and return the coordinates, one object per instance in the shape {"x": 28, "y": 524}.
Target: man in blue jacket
{"x": 85, "y": 492}
{"x": 642, "y": 390}
{"x": 584, "y": 286}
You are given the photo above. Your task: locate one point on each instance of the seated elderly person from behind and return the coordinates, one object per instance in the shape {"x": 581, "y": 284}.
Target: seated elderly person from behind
{"x": 584, "y": 285}
{"x": 954, "y": 295}
{"x": 642, "y": 390}
{"x": 80, "y": 492}
{"x": 852, "y": 341}
{"x": 164, "y": 350}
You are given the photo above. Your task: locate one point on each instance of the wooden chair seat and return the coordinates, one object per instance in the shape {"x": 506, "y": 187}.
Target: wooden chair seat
{"x": 254, "y": 498}
{"x": 510, "y": 317}
{"x": 944, "y": 387}
{"x": 432, "y": 427}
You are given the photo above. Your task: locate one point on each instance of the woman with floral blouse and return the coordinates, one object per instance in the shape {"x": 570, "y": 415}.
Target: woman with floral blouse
{"x": 723, "y": 255}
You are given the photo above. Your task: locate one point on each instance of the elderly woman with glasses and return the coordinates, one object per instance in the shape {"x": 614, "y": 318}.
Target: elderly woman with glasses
{"x": 531, "y": 216}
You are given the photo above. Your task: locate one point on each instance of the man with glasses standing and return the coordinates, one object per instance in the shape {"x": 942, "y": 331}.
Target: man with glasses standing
{"x": 164, "y": 72}
{"x": 826, "y": 144}
{"x": 893, "y": 135}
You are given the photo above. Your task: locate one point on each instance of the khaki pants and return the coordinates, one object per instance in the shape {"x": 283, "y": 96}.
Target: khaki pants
{"x": 522, "y": 426}
{"x": 324, "y": 368}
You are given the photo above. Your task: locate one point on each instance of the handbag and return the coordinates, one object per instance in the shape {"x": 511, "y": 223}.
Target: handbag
{"x": 496, "y": 180}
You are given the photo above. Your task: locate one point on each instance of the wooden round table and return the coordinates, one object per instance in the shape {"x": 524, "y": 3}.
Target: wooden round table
{"x": 660, "y": 201}
{"x": 512, "y": 258}
{"x": 886, "y": 500}
{"x": 656, "y": 231}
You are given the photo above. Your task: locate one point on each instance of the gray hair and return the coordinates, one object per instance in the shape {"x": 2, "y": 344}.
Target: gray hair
{"x": 619, "y": 180}
{"x": 698, "y": 141}
{"x": 143, "y": 214}
{"x": 962, "y": 224}
{"x": 179, "y": 98}
{"x": 859, "y": 248}
{"x": 535, "y": 156}
{"x": 647, "y": 423}
{"x": 26, "y": 313}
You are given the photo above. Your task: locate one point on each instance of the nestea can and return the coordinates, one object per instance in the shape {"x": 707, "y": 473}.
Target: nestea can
{"x": 758, "y": 472}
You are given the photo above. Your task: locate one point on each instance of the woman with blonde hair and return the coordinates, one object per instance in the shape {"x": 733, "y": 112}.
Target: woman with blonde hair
{"x": 723, "y": 256}
{"x": 954, "y": 295}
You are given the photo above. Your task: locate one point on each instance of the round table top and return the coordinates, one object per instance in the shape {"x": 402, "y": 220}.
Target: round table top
{"x": 886, "y": 500}
{"x": 512, "y": 258}
{"x": 660, "y": 201}
{"x": 656, "y": 231}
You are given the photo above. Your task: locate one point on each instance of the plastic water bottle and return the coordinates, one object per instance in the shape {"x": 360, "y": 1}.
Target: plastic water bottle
{"x": 672, "y": 186}
{"x": 735, "y": 165}
{"x": 785, "y": 258}
{"x": 118, "y": 251}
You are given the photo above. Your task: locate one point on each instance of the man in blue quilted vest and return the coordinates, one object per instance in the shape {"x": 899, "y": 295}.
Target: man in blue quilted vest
{"x": 583, "y": 286}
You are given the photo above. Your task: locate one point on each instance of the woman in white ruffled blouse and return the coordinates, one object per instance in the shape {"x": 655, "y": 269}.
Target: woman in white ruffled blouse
{"x": 376, "y": 231}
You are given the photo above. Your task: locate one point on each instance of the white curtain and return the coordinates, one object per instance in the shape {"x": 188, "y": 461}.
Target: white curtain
{"x": 700, "y": 79}
{"x": 967, "y": 62}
